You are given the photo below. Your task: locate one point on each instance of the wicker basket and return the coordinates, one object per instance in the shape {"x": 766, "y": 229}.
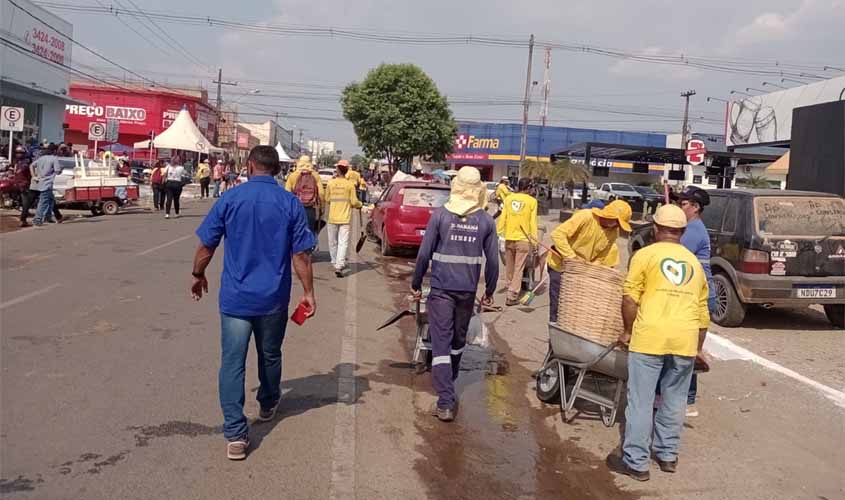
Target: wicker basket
{"x": 591, "y": 301}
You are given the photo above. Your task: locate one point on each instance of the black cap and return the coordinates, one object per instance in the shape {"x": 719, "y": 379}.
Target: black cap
{"x": 696, "y": 195}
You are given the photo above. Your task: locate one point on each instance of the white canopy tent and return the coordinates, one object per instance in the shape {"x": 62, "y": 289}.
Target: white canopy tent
{"x": 182, "y": 134}
{"x": 283, "y": 156}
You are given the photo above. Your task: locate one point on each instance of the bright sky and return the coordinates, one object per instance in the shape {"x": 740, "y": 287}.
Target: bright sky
{"x": 302, "y": 76}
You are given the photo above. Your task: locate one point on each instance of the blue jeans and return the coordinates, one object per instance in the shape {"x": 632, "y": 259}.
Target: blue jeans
{"x": 644, "y": 372}
{"x": 693, "y": 385}
{"x": 45, "y": 206}
{"x": 217, "y": 183}
{"x": 269, "y": 333}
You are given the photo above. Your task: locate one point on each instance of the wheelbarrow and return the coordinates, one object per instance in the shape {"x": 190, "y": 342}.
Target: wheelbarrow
{"x": 593, "y": 367}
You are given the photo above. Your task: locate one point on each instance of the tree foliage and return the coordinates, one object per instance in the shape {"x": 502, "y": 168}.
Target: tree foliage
{"x": 560, "y": 173}
{"x": 359, "y": 161}
{"x": 398, "y": 113}
{"x": 756, "y": 182}
{"x": 327, "y": 160}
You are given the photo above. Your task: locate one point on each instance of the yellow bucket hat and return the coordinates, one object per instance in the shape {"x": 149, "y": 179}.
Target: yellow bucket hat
{"x": 468, "y": 193}
{"x": 618, "y": 210}
{"x": 670, "y": 216}
{"x": 304, "y": 161}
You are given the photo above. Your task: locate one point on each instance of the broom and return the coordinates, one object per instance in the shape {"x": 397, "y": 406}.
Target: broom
{"x": 363, "y": 236}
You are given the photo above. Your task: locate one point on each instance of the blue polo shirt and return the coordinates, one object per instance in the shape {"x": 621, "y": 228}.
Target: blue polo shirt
{"x": 697, "y": 240}
{"x": 264, "y": 225}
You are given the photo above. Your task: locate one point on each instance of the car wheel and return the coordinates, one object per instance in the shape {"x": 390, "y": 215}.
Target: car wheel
{"x": 386, "y": 249}
{"x": 835, "y": 314}
{"x": 729, "y": 310}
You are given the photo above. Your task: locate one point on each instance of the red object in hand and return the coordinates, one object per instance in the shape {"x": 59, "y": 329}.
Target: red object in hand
{"x": 300, "y": 314}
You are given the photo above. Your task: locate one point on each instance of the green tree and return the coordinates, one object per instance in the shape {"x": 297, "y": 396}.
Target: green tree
{"x": 398, "y": 113}
{"x": 560, "y": 173}
{"x": 327, "y": 160}
{"x": 756, "y": 182}
{"x": 359, "y": 161}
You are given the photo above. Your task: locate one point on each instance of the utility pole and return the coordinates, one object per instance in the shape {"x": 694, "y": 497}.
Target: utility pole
{"x": 547, "y": 86}
{"x": 524, "y": 140}
{"x": 685, "y": 130}
{"x": 220, "y": 84}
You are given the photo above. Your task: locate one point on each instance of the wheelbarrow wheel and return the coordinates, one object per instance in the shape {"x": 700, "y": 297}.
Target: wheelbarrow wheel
{"x": 548, "y": 383}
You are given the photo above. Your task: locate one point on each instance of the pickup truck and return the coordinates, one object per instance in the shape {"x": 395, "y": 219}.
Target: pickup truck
{"x": 610, "y": 191}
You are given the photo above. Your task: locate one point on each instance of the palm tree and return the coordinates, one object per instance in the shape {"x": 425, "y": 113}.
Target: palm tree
{"x": 756, "y": 181}
{"x": 562, "y": 173}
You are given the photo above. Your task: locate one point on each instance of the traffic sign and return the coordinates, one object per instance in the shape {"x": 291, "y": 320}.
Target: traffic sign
{"x": 112, "y": 129}
{"x": 12, "y": 119}
{"x": 696, "y": 150}
{"x": 96, "y": 131}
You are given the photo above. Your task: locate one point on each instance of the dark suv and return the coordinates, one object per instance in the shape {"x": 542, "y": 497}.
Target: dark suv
{"x": 772, "y": 248}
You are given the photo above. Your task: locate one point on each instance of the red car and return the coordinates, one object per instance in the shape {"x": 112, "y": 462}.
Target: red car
{"x": 401, "y": 214}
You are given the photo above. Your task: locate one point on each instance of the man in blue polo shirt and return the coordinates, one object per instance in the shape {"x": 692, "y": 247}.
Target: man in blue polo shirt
{"x": 265, "y": 229}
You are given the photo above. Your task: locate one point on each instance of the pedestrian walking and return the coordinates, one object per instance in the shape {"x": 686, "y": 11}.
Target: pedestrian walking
{"x": 590, "y": 236}
{"x": 173, "y": 183}
{"x": 231, "y": 175}
{"x": 157, "y": 181}
{"x": 217, "y": 176}
{"x": 306, "y": 185}
{"x": 265, "y": 229}
{"x": 665, "y": 316}
{"x": 23, "y": 180}
{"x": 204, "y": 176}
{"x": 341, "y": 199}
{"x": 358, "y": 182}
{"x": 459, "y": 237}
{"x": 517, "y": 222}
{"x": 44, "y": 171}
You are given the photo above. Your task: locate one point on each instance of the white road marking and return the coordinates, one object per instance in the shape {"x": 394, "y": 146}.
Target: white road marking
{"x": 343, "y": 448}
{"x": 724, "y": 349}
{"x": 24, "y": 298}
{"x": 163, "y": 245}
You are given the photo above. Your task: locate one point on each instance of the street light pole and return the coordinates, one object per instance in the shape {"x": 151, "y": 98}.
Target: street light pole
{"x": 220, "y": 84}
{"x": 526, "y": 103}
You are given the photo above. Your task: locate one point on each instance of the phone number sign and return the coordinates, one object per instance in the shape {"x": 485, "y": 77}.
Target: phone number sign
{"x": 47, "y": 45}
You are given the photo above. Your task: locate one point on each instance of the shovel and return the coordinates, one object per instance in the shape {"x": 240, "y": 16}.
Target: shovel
{"x": 363, "y": 236}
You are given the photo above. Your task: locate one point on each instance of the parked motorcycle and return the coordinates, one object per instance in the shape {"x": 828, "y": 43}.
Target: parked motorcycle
{"x": 10, "y": 194}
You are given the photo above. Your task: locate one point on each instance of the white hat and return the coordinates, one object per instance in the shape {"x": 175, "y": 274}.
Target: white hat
{"x": 468, "y": 193}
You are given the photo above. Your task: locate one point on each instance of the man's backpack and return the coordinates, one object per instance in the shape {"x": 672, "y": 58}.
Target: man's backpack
{"x": 156, "y": 177}
{"x": 306, "y": 188}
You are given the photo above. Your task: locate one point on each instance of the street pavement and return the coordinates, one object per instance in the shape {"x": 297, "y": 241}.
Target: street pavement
{"x": 109, "y": 390}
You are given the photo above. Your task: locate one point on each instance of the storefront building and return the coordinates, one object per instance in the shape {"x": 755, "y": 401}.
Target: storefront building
{"x": 140, "y": 112}
{"x": 34, "y": 59}
{"x": 494, "y": 148}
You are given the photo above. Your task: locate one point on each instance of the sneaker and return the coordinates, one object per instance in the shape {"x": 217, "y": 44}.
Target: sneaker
{"x": 338, "y": 273}
{"x": 617, "y": 465}
{"x": 236, "y": 448}
{"x": 670, "y": 467}
{"x": 692, "y": 411}
{"x": 445, "y": 414}
{"x": 166, "y": 216}
{"x": 265, "y": 415}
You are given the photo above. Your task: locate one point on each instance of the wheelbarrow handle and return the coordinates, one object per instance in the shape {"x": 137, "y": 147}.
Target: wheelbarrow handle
{"x": 600, "y": 356}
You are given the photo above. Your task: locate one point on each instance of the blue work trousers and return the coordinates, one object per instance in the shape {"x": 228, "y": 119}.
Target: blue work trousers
{"x": 448, "y": 321}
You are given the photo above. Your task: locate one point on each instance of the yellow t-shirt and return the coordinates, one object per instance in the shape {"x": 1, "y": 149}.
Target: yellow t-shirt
{"x": 356, "y": 179}
{"x": 668, "y": 283}
{"x": 519, "y": 216}
{"x": 341, "y": 197}
{"x": 502, "y": 191}
{"x": 582, "y": 237}
{"x": 203, "y": 171}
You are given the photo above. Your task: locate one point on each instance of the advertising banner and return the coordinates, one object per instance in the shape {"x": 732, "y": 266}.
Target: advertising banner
{"x": 767, "y": 118}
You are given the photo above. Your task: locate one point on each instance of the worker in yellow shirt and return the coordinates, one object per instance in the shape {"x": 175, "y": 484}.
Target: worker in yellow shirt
{"x": 357, "y": 181}
{"x": 341, "y": 199}
{"x": 665, "y": 314}
{"x": 503, "y": 190}
{"x": 518, "y": 226}
{"x": 307, "y": 186}
{"x": 204, "y": 176}
{"x": 589, "y": 235}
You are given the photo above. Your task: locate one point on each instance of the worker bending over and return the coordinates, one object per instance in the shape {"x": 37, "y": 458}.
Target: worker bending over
{"x": 518, "y": 226}
{"x": 458, "y": 238}
{"x": 590, "y": 236}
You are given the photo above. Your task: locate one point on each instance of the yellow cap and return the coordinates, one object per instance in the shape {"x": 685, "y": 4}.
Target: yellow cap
{"x": 670, "y": 216}
{"x": 618, "y": 210}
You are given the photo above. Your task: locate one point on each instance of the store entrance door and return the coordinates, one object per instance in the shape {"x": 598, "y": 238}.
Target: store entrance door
{"x": 486, "y": 172}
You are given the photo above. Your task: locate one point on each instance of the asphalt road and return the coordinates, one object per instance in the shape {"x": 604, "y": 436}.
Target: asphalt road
{"x": 109, "y": 390}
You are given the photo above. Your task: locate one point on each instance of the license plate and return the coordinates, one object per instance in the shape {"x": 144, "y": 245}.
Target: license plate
{"x": 421, "y": 231}
{"x": 816, "y": 293}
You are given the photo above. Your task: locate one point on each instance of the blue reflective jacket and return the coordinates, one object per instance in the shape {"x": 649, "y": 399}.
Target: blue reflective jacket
{"x": 456, "y": 247}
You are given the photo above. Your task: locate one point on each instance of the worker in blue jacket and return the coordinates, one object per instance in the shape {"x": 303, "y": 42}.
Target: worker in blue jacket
{"x": 459, "y": 237}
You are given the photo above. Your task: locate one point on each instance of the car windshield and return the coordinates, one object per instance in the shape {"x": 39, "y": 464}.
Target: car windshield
{"x": 424, "y": 197}
{"x": 621, "y": 187}
{"x": 645, "y": 190}
{"x": 799, "y": 215}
